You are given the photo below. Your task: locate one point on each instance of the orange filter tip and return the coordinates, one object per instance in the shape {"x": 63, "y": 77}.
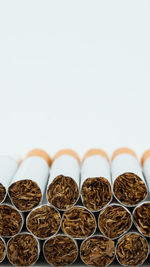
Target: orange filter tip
{"x": 95, "y": 152}
{"x": 123, "y": 150}
{"x": 40, "y": 153}
{"x": 145, "y": 156}
{"x": 69, "y": 152}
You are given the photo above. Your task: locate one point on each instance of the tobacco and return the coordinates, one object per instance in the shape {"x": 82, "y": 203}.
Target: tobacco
{"x": 10, "y": 220}
{"x": 2, "y": 249}
{"x": 44, "y": 221}
{"x": 114, "y": 221}
{"x": 129, "y": 189}
{"x": 97, "y": 251}
{"x": 25, "y": 194}
{"x": 22, "y": 250}
{"x": 132, "y": 249}
{"x": 60, "y": 251}
{"x": 63, "y": 192}
{"x": 78, "y": 222}
{"x": 2, "y": 192}
{"x": 141, "y": 218}
{"x": 96, "y": 193}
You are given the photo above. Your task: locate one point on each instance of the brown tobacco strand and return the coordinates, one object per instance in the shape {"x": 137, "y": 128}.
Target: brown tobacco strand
{"x": 132, "y": 249}
{"x": 60, "y": 251}
{"x": 96, "y": 193}
{"x": 2, "y": 250}
{"x": 22, "y": 250}
{"x": 25, "y": 194}
{"x": 114, "y": 220}
{"x": 44, "y": 221}
{"x": 129, "y": 189}
{"x": 97, "y": 251}
{"x": 2, "y": 192}
{"x": 78, "y": 222}
{"x": 10, "y": 221}
{"x": 141, "y": 218}
{"x": 63, "y": 192}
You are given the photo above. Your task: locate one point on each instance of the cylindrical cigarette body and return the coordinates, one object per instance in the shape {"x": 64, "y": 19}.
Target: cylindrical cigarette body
{"x": 23, "y": 250}
{"x": 63, "y": 184}
{"x": 114, "y": 220}
{"x": 8, "y": 168}
{"x": 60, "y": 250}
{"x": 145, "y": 162}
{"x": 2, "y": 249}
{"x": 95, "y": 180}
{"x": 43, "y": 221}
{"x": 28, "y": 185}
{"x": 141, "y": 218}
{"x": 97, "y": 250}
{"x": 129, "y": 186}
{"x": 132, "y": 249}
{"x": 11, "y": 220}
{"x": 78, "y": 222}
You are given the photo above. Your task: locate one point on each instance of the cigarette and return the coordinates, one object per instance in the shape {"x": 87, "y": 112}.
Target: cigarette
{"x": 43, "y": 221}
{"x": 132, "y": 249}
{"x": 60, "y": 250}
{"x": 97, "y": 250}
{"x": 78, "y": 222}
{"x": 129, "y": 186}
{"x": 8, "y": 168}
{"x": 145, "y": 162}
{"x": 141, "y": 218}
{"x": 23, "y": 250}
{"x": 2, "y": 249}
{"x": 63, "y": 184}
{"x": 28, "y": 185}
{"x": 114, "y": 221}
{"x": 11, "y": 220}
{"x": 95, "y": 180}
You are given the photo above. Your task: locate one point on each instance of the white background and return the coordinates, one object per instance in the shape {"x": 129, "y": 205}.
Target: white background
{"x": 74, "y": 74}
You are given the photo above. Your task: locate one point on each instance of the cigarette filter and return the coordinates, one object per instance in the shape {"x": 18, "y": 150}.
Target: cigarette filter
{"x": 28, "y": 185}
{"x": 63, "y": 184}
{"x": 145, "y": 162}
{"x": 78, "y": 222}
{"x": 43, "y": 221}
{"x": 128, "y": 182}
{"x": 11, "y": 220}
{"x": 97, "y": 250}
{"x": 141, "y": 218}
{"x": 8, "y": 168}
{"x": 114, "y": 220}
{"x": 60, "y": 250}
{"x": 23, "y": 250}
{"x": 132, "y": 249}
{"x": 2, "y": 249}
{"x": 95, "y": 180}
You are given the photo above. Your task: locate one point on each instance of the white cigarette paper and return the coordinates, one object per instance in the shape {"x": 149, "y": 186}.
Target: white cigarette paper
{"x": 146, "y": 170}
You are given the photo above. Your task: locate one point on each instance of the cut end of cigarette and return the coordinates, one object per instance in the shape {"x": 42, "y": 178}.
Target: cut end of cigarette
{"x": 78, "y": 222}
{"x": 141, "y": 217}
{"x": 2, "y": 193}
{"x": 10, "y": 220}
{"x": 49, "y": 219}
{"x": 129, "y": 189}
{"x": 40, "y": 153}
{"x": 114, "y": 220}
{"x": 69, "y": 152}
{"x": 95, "y": 152}
{"x": 2, "y": 249}
{"x": 25, "y": 194}
{"x": 96, "y": 193}
{"x": 145, "y": 156}
{"x": 132, "y": 249}
{"x": 60, "y": 251}
{"x": 22, "y": 250}
{"x": 97, "y": 251}
{"x": 63, "y": 192}
{"x": 123, "y": 150}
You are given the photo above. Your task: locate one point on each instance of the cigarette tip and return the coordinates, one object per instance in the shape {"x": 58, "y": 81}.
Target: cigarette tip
{"x": 69, "y": 152}
{"x": 40, "y": 153}
{"x": 123, "y": 150}
{"x": 145, "y": 156}
{"x": 95, "y": 152}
